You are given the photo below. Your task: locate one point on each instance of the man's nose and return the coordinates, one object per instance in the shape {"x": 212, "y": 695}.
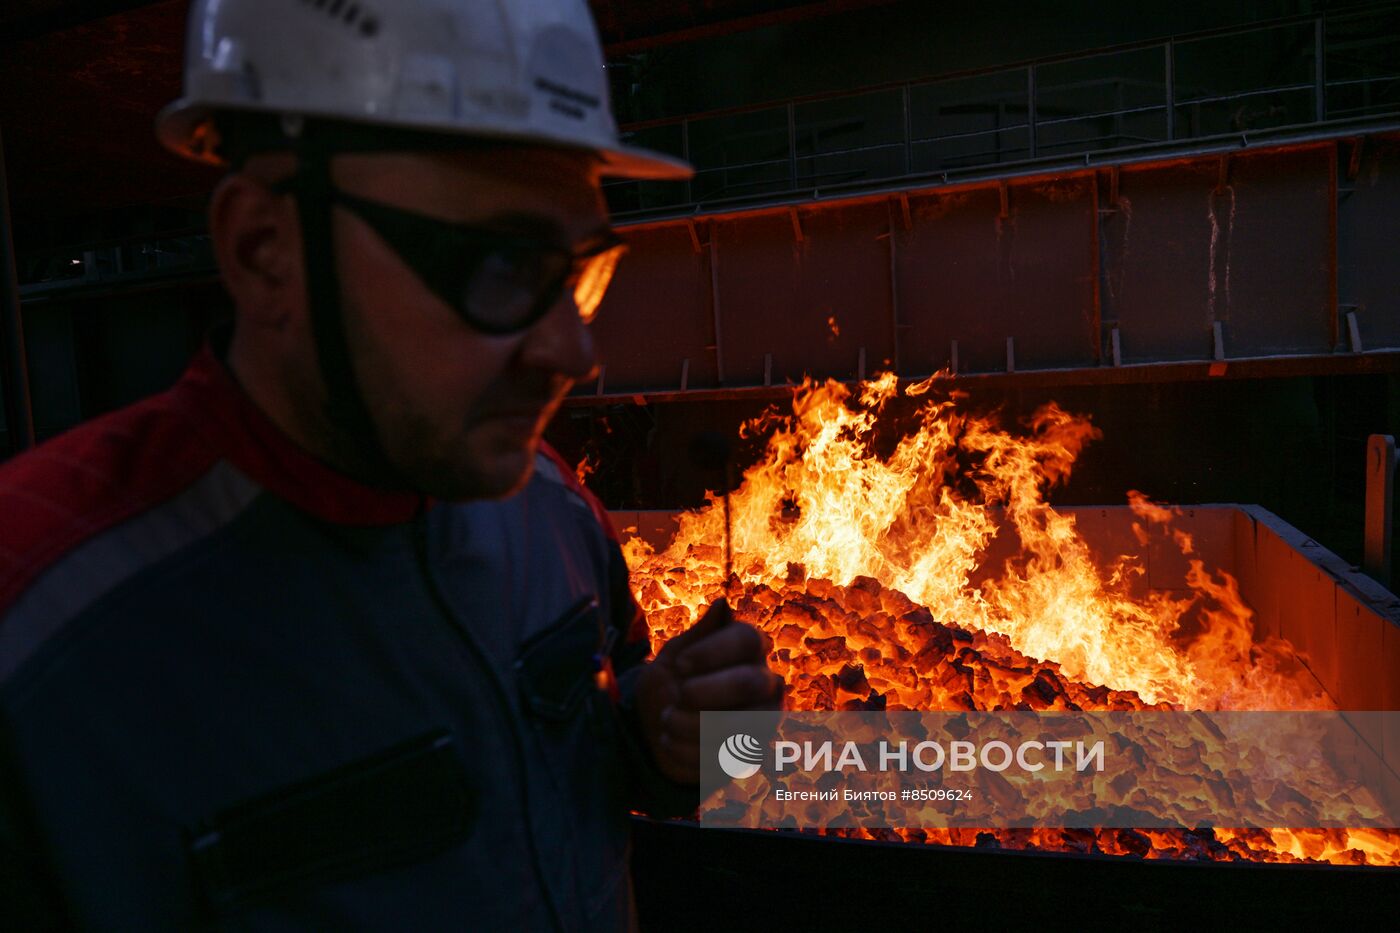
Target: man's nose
{"x": 560, "y": 343}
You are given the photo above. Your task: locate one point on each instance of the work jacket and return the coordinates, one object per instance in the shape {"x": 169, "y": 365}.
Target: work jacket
{"x": 239, "y": 690}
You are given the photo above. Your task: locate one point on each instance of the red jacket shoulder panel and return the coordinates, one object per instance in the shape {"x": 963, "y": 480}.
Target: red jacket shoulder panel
{"x": 89, "y": 479}
{"x": 571, "y": 480}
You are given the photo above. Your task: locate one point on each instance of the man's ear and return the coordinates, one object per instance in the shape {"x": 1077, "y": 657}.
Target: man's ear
{"x": 257, "y": 243}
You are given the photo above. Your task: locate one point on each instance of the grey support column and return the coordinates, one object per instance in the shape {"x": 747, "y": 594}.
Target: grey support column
{"x": 19, "y": 417}
{"x": 1380, "y": 500}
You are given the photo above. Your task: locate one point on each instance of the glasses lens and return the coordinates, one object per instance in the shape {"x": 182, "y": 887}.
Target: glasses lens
{"x": 504, "y": 291}
{"x": 593, "y": 281}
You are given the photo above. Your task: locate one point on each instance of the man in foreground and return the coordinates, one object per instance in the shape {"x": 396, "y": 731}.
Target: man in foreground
{"x": 325, "y": 637}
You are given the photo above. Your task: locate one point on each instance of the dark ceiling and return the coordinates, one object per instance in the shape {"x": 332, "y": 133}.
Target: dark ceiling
{"x": 621, "y": 22}
{"x": 81, "y": 80}
{"x": 77, "y": 108}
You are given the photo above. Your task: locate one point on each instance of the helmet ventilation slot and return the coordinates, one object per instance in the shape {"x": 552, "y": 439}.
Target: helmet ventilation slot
{"x": 350, "y": 13}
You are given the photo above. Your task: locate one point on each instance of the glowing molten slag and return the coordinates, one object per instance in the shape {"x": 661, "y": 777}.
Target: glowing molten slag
{"x": 871, "y": 576}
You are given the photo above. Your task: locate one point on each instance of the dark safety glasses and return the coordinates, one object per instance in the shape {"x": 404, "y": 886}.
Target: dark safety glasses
{"x": 499, "y": 282}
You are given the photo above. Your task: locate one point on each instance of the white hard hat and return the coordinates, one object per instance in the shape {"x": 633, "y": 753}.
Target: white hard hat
{"x": 521, "y": 70}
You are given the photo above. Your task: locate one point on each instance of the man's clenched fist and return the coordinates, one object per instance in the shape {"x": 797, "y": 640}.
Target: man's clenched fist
{"x": 716, "y": 664}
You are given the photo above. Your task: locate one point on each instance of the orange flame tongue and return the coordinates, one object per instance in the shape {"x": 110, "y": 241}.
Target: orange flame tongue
{"x": 922, "y": 520}
{"x": 872, "y": 577}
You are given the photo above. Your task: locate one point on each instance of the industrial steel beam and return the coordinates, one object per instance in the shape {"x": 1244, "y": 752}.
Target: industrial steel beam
{"x": 1121, "y": 157}
{"x": 1279, "y": 367}
{"x": 1222, "y": 261}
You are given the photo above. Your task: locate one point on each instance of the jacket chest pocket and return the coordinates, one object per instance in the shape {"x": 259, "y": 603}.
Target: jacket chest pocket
{"x": 558, "y": 668}
{"x": 395, "y": 807}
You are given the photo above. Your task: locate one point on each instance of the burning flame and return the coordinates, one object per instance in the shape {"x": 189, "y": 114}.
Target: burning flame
{"x": 585, "y": 468}
{"x": 874, "y": 578}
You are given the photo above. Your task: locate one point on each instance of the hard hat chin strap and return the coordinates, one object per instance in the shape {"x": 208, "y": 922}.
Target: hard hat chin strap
{"x": 345, "y": 404}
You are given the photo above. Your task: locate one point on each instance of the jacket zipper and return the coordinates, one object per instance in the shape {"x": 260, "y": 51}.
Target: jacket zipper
{"x": 420, "y": 550}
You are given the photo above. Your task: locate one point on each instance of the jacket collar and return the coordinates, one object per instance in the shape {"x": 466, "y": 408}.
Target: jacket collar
{"x": 241, "y": 433}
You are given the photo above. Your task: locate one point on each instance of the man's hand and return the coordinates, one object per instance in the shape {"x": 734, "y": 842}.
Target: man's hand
{"x": 716, "y": 664}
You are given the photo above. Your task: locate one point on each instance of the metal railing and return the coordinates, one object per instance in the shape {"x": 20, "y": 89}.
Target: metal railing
{"x": 1308, "y": 71}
